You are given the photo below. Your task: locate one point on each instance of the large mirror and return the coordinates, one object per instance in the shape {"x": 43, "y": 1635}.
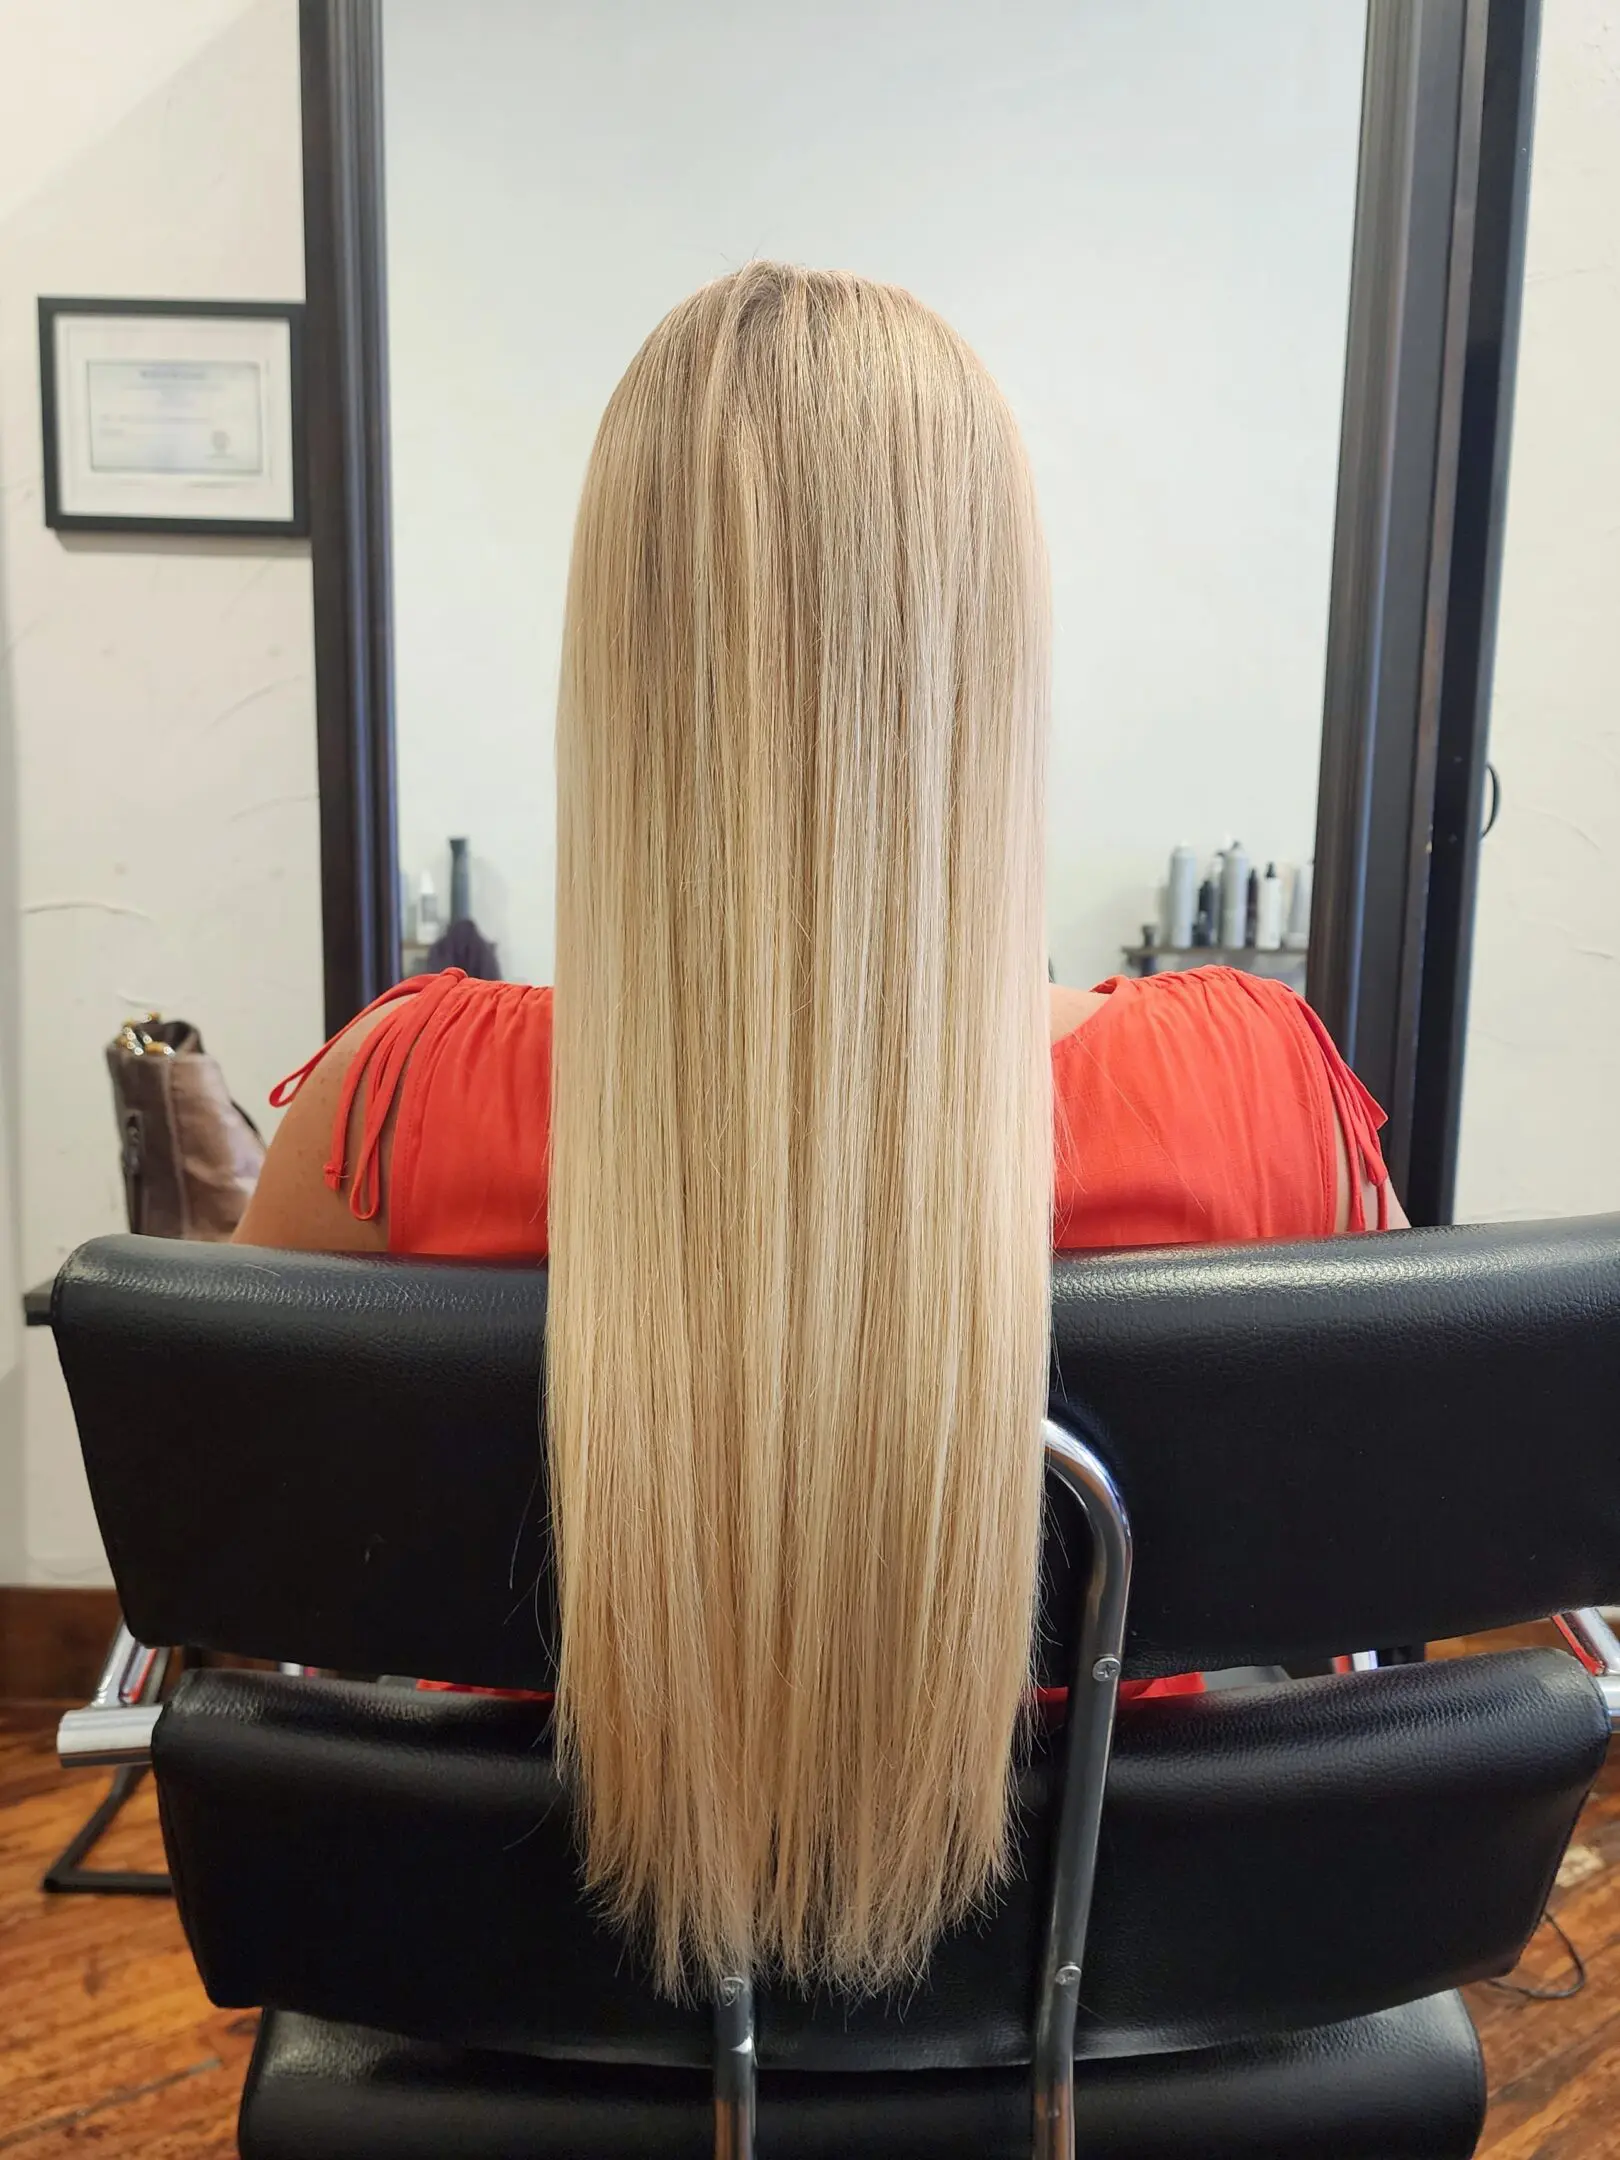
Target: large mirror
{"x": 1249, "y": 275}
{"x": 1140, "y": 214}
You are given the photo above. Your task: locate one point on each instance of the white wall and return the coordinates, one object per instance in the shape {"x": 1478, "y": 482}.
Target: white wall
{"x": 1541, "y": 1110}
{"x": 157, "y": 696}
{"x": 1139, "y": 212}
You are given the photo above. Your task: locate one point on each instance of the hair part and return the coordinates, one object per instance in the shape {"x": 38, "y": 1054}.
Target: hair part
{"x": 800, "y": 1203}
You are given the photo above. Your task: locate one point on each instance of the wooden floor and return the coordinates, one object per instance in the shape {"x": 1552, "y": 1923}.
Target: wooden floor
{"x": 108, "y": 2045}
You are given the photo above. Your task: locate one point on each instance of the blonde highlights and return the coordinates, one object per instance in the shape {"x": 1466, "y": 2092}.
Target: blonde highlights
{"x": 802, "y": 1139}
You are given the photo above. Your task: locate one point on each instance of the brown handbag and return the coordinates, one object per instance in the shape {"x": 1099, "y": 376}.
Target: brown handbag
{"x": 191, "y": 1155}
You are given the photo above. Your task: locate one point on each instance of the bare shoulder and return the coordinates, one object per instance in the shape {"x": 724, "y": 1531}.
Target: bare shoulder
{"x": 293, "y": 1206}
{"x": 1071, "y": 1009}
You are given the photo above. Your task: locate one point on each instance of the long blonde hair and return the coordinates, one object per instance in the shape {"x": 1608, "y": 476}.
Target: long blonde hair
{"x": 800, "y": 1208}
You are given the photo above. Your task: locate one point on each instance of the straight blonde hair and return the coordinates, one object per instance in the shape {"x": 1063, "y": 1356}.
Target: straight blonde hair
{"x": 800, "y": 1211}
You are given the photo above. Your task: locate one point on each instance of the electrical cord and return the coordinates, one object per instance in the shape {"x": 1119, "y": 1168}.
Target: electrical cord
{"x": 1544, "y": 1994}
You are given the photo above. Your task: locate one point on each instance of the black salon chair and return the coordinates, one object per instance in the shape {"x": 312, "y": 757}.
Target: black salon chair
{"x": 1315, "y": 1447}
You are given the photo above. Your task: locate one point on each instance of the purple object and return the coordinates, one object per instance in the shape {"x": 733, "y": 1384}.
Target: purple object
{"x": 465, "y": 946}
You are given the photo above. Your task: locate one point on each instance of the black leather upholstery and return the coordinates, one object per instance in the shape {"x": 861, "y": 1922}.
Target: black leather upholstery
{"x": 1275, "y": 1856}
{"x": 1359, "y": 1441}
{"x": 1362, "y": 1441}
{"x": 1406, "y": 2085}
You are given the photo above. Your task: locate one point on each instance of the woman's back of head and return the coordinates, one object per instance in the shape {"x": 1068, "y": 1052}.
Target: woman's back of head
{"x": 800, "y": 1188}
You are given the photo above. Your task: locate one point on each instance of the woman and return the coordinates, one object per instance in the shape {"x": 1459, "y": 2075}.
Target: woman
{"x": 799, "y": 1088}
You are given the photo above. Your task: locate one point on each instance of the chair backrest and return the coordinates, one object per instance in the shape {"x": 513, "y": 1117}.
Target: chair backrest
{"x": 1321, "y": 1446}
{"x": 337, "y": 1463}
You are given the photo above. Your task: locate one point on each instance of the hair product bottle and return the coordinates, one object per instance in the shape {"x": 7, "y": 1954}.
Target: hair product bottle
{"x": 429, "y": 921}
{"x": 1207, "y": 921}
{"x": 1268, "y": 920}
{"x": 1298, "y": 934}
{"x": 1235, "y": 898}
{"x": 1181, "y": 904}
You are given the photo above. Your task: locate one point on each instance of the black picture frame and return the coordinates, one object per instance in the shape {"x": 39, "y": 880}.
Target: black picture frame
{"x": 290, "y": 312}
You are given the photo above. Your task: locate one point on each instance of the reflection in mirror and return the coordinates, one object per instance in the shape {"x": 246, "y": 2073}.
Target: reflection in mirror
{"x": 1139, "y": 215}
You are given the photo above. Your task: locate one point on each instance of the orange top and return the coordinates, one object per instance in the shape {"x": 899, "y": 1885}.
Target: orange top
{"x": 1193, "y": 1108}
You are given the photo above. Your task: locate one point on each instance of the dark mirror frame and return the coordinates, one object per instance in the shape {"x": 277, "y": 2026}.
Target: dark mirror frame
{"x": 346, "y": 427}
{"x": 1436, "y": 275}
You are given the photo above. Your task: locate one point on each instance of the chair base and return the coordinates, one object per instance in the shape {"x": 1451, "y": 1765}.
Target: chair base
{"x": 67, "y": 1873}
{"x": 1407, "y": 2084}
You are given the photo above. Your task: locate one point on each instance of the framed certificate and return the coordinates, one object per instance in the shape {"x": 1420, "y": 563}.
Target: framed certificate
{"x": 179, "y": 416}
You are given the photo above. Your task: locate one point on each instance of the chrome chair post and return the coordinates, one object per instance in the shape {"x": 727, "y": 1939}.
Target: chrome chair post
{"x": 114, "y": 1732}
{"x": 734, "y": 2069}
{"x": 114, "y": 1729}
{"x": 1093, "y": 1696}
{"x": 127, "y": 1672}
{"x": 1591, "y": 1637}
